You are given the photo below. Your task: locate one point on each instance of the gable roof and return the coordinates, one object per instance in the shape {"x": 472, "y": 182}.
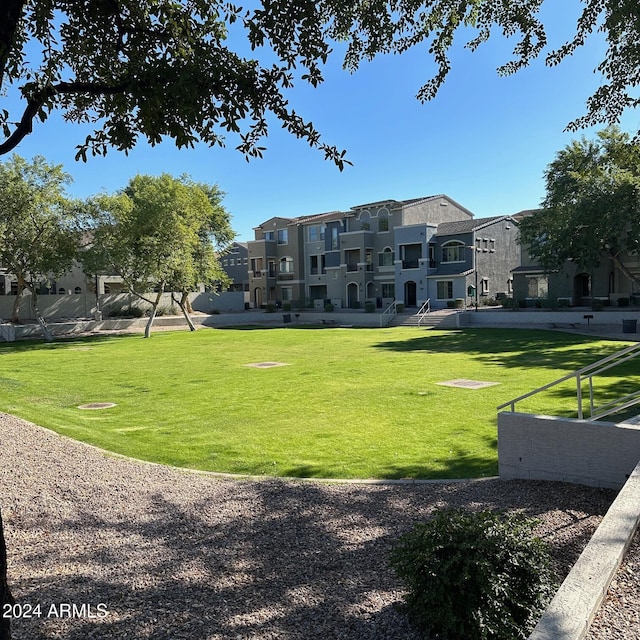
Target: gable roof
{"x": 319, "y": 217}
{"x": 408, "y": 203}
{"x": 467, "y": 226}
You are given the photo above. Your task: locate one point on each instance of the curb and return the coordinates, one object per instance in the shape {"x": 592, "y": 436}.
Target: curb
{"x": 578, "y": 599}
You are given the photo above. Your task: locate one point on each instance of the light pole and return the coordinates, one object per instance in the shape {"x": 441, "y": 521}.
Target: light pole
{"x": 475, "y": 272}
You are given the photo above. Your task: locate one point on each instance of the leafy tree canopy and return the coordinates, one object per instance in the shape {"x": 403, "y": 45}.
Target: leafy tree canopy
{"x": 38, "y": 232}
{"x": 166, "y": 68}
{"x": 592, "y": 205}
{"x": 160, "y": 234}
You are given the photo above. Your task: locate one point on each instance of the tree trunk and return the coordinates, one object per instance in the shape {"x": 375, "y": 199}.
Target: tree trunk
{"x": 15, "y": 313}
{"x": 43, "y": 325}
{"x": 184, "y": 305}
{"x": 5, "y": 593}
{"x": 152, "y": 315}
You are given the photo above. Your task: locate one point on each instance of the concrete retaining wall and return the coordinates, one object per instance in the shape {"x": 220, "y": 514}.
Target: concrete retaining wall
{"x": 599, "y": 454}
{"x": 578, "y": 599}
{"x": 83, "y": 305}
{"x": 544, "y": 318}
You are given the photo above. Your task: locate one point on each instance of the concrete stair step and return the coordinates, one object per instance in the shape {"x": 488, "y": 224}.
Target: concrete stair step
{"x": 431, "y": 320}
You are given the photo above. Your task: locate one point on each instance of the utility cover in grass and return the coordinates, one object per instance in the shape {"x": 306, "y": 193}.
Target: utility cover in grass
{"x": 266, "y": 365}
{"x": 97, "y": 405}
{"x": 467, "y": 384}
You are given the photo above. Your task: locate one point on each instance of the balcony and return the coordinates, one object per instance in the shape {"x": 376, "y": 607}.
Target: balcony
{"x": 410, "y": 264}
{"x": 352, "y": 266}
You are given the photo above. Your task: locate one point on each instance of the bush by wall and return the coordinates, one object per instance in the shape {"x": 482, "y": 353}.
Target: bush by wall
{"x": 474, "y": 576}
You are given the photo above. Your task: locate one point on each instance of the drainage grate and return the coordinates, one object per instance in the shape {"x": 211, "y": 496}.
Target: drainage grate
{"x": 467, "y": 384}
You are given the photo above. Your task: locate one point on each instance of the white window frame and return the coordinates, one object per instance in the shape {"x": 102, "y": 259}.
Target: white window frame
{"x": 285, "y": 265}
{"x": 450, "y": 244}
{"x": 449, "y": 284}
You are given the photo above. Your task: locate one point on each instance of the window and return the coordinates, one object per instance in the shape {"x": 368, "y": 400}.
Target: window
{"x": 77, "y": 290}
{"x": 232, "y": 262}
{"x": 383, "y": 223}
{"x": 269, "y": 235}
{"x": 286, "y": 265}
{"x": 484, "y": 286}
{"x": 334, "y": 237}
{"x": 510, "y": 285}
{"x": 537, "y": 287}
{"x": 286, "y": 293}
{"x": 453, "y": 252}
{"x": 444, "y": 289}
{"x": 385, "y": 259}
{"x": 61, "y": 290}
{"x": 388, "y": 290}
{"x": 283, "y": 236}
{"x": 315, "y": 233}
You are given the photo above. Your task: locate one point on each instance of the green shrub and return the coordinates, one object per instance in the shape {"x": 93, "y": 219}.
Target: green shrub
{"x": 355, "y": 304}
{"x": 400, "y": 307}
{"x": 474, "y": 576}
{"x": 623, "y": 302}
{"x": 369, "y": 307}
{"x": 270, "y": 308}
{"x": 597, "y": 304}
{"x": 126, "y": 312}
{"x": 286, "y": 306}
{"x": 328, "y": 307}
{"x": 167, "y": 311}
{"x": 563, "y": 303}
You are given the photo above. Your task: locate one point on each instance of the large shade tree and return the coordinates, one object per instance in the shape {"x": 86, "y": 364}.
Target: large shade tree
{"x": 160, "y": 234}
{"x": 38, "y": 232}
{"x": 591, "y": 210}
{"x": 149, "y": 69}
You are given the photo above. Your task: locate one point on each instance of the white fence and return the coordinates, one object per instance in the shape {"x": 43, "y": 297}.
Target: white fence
{"x": 85, "y": 305}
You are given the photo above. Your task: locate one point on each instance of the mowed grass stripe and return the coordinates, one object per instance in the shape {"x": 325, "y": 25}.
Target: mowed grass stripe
{"x": 351, "y": 403}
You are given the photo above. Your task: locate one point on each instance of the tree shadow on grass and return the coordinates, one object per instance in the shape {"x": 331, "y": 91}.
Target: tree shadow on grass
{"x": 61, "y": 342}
{"x": 521, "y": 348}
{"x": 273, "y": 559}
{"x": 458, "y": 463}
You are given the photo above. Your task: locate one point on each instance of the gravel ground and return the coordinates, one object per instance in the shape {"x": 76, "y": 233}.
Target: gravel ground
{"x": 170, "y": 554}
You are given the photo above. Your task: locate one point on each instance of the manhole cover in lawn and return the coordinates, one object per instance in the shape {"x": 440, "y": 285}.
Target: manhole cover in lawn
{"x": 266, "y": 365}
{"x": 97, "y": 405}
{"x": 467, "y": 384}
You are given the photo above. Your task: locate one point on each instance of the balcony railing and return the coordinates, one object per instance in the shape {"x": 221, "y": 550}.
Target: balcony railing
{"x": 352, "y": 266}
{"x": 410, "y": 264}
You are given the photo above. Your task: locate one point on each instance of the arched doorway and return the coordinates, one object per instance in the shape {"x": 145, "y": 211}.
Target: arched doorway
{"x": 410, "y": 299}
{"x": 371, "y": 290}
{"x": 352, "y": 295}
{"x": 582, "y": 289}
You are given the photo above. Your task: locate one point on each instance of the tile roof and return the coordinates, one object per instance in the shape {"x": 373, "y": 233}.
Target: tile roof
{"x": 329, "y": 215}
{"x": 467, "y": 226}
{"x": 401, "y": 203}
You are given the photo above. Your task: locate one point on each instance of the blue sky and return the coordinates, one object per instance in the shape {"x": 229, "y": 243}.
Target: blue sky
{"x": 484, "y": 141}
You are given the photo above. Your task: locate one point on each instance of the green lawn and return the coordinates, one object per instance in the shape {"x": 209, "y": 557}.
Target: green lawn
{"x": 350, "y": 402}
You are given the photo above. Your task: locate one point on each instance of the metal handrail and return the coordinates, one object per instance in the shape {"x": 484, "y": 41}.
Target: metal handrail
{"x": 425, "y": 309}
{"x": 587, "y": 372}
{"x": 388, "y": 314}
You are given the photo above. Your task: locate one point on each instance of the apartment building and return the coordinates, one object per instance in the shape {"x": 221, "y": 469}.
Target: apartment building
{"x": 409, "y": 251}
